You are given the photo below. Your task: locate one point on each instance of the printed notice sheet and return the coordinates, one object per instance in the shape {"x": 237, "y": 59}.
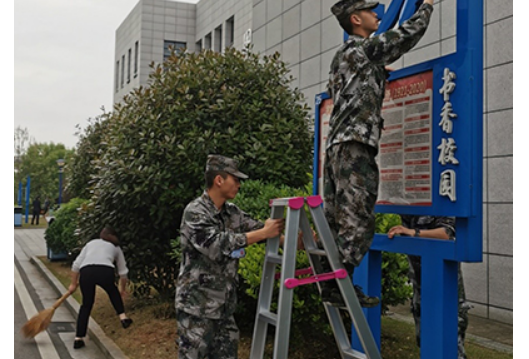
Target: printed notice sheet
{"x": 405, "y": 151}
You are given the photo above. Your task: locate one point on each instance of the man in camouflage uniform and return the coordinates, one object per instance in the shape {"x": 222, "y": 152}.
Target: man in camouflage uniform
{"x": 439, "y": 228}
{"x": 356, "y": 85}
{"x": 213, "y": 235}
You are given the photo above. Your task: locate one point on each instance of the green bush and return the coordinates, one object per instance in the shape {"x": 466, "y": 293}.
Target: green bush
{"x": 395, "y": 288}
{"x": 155, "y": 143}
{"x": 61, "y": 234}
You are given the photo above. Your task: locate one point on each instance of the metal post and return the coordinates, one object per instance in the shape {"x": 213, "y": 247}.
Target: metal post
{"x": 28, "y": 184}
{"x": 19, "y": 198}
{"x": 60, "y": 163}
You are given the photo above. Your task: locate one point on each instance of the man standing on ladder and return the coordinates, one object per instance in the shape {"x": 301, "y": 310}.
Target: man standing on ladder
{"x": 356, "y": 85}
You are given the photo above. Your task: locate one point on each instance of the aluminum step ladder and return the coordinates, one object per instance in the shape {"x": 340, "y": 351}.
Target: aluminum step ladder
{"x": 296, "y": 219}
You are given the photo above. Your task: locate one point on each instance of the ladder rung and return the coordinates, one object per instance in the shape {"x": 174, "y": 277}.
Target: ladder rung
{"x": 317, "y": 252}
{"x": 353, "y": 354}
{"x": 292, "y": 202}
{"x": 270, "y": 318}
{"x": 273, "y": 258}
{"x": 279, "y": 202}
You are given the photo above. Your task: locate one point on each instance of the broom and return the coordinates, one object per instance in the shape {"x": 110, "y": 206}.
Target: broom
{"x": 40, "y": 321}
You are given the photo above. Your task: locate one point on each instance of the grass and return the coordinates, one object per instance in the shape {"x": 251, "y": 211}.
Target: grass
{"x": 153, "y": 333}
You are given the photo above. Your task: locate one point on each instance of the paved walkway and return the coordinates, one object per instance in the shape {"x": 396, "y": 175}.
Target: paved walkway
{"x": 44, "y": 289}
{"x": 487, "y": 333}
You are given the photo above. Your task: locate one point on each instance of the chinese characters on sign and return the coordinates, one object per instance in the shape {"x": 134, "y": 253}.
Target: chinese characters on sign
{"x": 448, "y": 147}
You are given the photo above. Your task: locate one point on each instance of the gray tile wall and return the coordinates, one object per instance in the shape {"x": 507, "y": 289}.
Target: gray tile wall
{"x": 214, "y": 13}
{"x": 498, "y": 156}
{"x": 151, "y": 22}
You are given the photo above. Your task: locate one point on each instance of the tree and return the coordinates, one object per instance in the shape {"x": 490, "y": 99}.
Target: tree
{"x": 21, "y": 143}
{"x": 88, "y": 150}
{"x": 40, "y": 163}
{"x": 237, "y": 104}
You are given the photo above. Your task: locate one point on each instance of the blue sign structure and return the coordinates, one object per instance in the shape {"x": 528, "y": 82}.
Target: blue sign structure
{"x": 28, "y": 186}
{"x": 453, "y": 176}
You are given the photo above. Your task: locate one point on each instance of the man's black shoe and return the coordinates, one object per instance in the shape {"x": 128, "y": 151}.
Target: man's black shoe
{"x": 332, "y": 296}
{"x": 366, "y": 301}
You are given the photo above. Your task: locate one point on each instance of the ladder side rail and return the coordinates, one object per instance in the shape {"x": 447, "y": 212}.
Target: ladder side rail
{"x": 266, "y": 290}
{"x": 284, "y": 308}
{"x": 340, "y": 334}
{"x": 358, "y": 318}
{"x": 346, "y": 286}
{"x": 333, "y": 314}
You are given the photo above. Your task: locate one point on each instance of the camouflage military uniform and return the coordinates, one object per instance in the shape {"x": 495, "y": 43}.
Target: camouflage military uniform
{"x": 206, "y": 294}
{"x": 356, "y": 85}
{"x": 429, "y": 222}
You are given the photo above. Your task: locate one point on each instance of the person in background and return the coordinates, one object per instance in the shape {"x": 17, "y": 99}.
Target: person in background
{"x": 36, "y": 211}
{"x": 213, "y": 234}
{"x": 356, "y": 85}
{"x": 437, "y": 228}
{"x": 95, "y": 266}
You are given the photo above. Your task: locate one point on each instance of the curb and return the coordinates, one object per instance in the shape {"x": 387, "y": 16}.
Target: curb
{"x": 98, "y": 336}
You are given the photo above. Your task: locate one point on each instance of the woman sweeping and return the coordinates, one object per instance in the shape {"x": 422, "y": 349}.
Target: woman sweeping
{"x": 95, "y": 266}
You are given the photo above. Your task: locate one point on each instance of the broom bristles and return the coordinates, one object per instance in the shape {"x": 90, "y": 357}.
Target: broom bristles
{"x": 38, "y": 323}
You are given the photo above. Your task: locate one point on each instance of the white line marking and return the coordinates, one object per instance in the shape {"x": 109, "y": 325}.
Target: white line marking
{"x": 46, "y": 348}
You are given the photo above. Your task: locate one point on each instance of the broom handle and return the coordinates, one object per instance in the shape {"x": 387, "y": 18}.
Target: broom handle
{"x": 61, "y": 299}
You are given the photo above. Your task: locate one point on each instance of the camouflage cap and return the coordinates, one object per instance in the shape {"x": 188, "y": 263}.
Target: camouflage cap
{"x": 344, "y": 8}
{"x": 225, "y": 164}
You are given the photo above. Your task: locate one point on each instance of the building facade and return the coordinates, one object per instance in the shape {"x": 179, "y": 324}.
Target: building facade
{"x": 307, "y": 35}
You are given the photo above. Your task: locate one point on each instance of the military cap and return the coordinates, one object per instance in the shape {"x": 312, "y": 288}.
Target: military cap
{"x": 345, "y": 8}
{"x": 224, "y": 164}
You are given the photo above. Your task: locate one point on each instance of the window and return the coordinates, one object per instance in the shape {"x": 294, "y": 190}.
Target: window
{"x": 198, "y": 46}
{"x": 128, "y": 66}
{"x": 122, "y": 70}
{"x": 207, "y": 41}
{"x": 136, "y": 53}
{"x": 117, "y": 76}
{"x": 218, "y": 39}
{"x": 169, "y": 46}
{"x": 230, "y": 32}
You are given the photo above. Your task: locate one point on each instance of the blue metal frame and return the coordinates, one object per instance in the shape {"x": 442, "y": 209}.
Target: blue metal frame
{"x": 315, "y": 164}
{"x": 28, "y": 186}
{"x": 440, "y": 258}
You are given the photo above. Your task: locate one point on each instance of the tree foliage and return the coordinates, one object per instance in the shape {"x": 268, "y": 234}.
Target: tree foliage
{"x": 39, "y": 161}
{"x": 89, "y": 148}
{"x": 155, "y": 144}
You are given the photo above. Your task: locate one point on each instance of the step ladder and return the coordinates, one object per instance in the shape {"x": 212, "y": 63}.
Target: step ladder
{"x": 296, "y": 219}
